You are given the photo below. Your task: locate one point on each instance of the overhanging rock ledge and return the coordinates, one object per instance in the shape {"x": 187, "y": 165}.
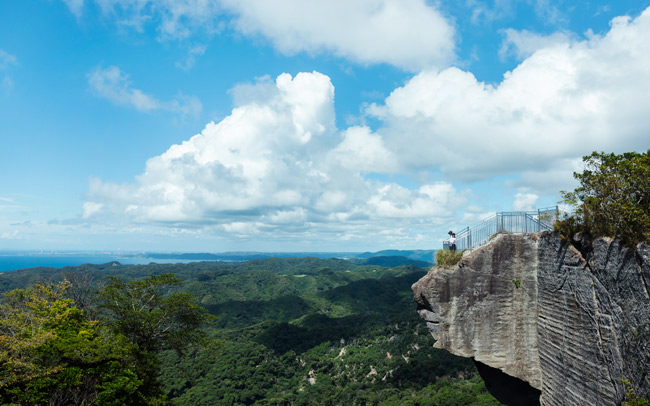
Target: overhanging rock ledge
{"x": 545, "y": 322}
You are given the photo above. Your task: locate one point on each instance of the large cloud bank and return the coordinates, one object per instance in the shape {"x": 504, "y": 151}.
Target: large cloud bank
{"x": 274, "y": 162}
{"x": 564, "y": 101}
{"x": 278, "y": 163}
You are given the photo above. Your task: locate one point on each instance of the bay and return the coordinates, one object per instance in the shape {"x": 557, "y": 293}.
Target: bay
{"x": 12, "y": 262}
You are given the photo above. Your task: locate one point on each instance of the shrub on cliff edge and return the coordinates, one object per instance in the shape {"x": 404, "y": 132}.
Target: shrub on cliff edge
{"x": 613, "y": 198}
{"x": 447, "y": 258}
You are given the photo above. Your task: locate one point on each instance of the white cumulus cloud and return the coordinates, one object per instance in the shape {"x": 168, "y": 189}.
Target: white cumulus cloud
{"x": 253, "y": 162}
{"x": 91, "y": 208}
{"x": 409, "y": 34}
{"x": 113, "y": 85}
{"x": 436, "y": 200}
{"x": 562, "y": 102}
{"x": 363, "y": 151}
{"x": 525, "y": 201}
{"x": 274, "y": 165}
{"x": 523, "y": 44}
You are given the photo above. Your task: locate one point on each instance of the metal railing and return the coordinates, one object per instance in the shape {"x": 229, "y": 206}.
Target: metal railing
{"x": 516, "y": 222}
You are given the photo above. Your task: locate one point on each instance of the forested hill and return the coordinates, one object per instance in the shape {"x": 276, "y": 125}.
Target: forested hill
{"x": 299, "y": 331}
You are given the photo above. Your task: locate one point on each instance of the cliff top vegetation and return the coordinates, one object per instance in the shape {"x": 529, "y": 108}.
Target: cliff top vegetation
{"x": 613, "y": 198}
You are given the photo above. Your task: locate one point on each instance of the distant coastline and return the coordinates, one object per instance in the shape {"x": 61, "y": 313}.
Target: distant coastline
{"x": 13, "y": 262}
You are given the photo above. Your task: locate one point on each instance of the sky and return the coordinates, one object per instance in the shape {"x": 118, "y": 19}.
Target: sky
{"x": 292, "y": 125}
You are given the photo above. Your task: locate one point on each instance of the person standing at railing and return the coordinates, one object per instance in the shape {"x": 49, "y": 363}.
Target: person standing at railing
{"x": 452, "y": 241}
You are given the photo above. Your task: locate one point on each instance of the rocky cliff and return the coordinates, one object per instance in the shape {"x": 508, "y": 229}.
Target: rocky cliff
{"x": 546, "y": 322}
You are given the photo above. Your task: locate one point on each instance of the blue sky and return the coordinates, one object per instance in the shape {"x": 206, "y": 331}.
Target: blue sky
{"x": 220, "y": 125}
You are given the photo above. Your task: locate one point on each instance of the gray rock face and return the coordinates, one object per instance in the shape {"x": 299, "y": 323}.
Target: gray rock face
{"x": 534, "y": 307}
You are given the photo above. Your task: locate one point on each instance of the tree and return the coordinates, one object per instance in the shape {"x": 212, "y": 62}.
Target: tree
{"x": 151, "y": 319}
{"x": 613, "y": 198}
{"x": 51, "y": 354}
{"x": 154, "y": 321}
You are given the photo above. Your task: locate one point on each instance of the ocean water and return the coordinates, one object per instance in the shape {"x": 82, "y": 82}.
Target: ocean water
{"x": 11, "y": 262}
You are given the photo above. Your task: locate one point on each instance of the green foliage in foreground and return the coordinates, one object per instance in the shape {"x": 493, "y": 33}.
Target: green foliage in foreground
{"x": 52, "y": 353}
{"x": 613, "y": 198}
{"x": 298, "y": 332}
{"x": 447, "y": 257}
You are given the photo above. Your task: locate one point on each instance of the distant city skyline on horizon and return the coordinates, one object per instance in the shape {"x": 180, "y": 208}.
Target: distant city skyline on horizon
{"x": 237, "y": 126}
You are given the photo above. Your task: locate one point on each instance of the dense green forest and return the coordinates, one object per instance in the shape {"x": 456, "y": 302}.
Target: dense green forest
{"x": 288, "y": 331}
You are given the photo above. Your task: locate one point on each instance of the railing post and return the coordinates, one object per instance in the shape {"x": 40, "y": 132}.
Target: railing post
{"x": 525, "y": 223}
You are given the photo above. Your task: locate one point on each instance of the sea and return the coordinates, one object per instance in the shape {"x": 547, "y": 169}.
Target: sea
{"x": 12, "y": 262}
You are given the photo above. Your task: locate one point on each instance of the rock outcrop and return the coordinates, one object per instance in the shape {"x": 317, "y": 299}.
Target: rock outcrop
{"x": 567, "y": 325}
